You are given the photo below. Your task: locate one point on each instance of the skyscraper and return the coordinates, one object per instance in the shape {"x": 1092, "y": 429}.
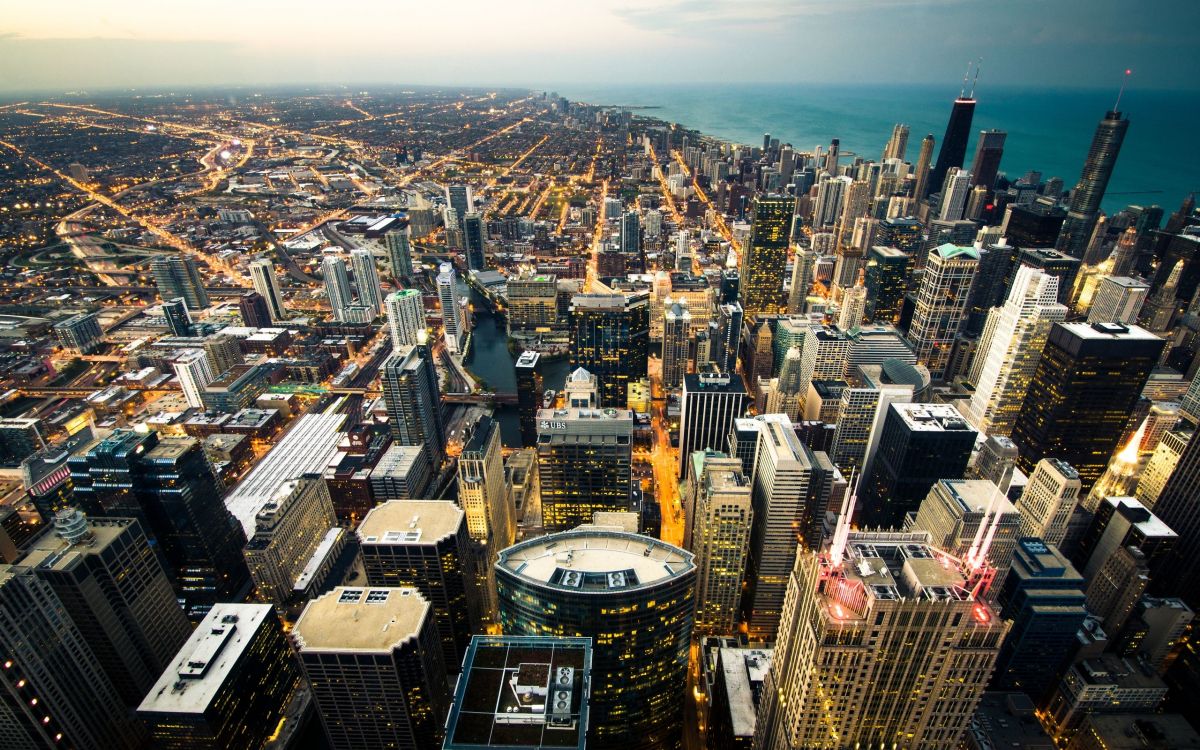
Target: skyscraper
{"x": 631, "y": 234}
{"x": 1118, "y": 300}
{"x": 169, "y": 485}
{"x": 399, "y": 250}
{"x": 337, "y": 286}
{"x": 886, "y": 282}
{"x": 1084, "y": 388}
{"x": 921, "y": 170}
{"x": 610, "y": 334}
{"x": 954, "y": 194}
{"x": 765, "y": 256}
{"x": 381, "y": 682}
{"x": 897, "y": 145}
{"x": 1048, "y": 501}
{"x": 57, "y": 693}
{"x": 193, "y": 370}
{"x": 177, "y": 276}
{"x": 635, "y": 597}
{"x": 230, "y": 685}
{"x": 179, "y": 321}
{"x": 954, "y": 142}
{"x": 424, "y": 544}
{"x": 677, "y": 329}
{"x": 941, "y": 304}
{"x": 253, "y": 309}
{"x": 710, "y": 403}
{"x": 585, "y": 457}
{"x": 117, "y": 594}
{"x": 79, "y": 333}
{"x": 888, "y": 646}
{"x": 919, "y": 444}
{"x": 459, "y": 198}
{"x": 406, "y": 318}
{"x": 529, "y": 395}
{"x": 720, "y": 519}
{"x": 452, "y": 313}
{"x": 262, "y": 275}
{"x": 484, "y": 498}
{"x": 988, "y": 151}
{"x": 1089, "y": 191}
{"x": 793, "y": 487}
{"x": 366, "y": 280}
{"x": 414, "y": 404}
{"x": 727, "y": 343}
{"x": 287, "y": 533}
{"x": 1010, "y": 349}
{"x": 958, "y": 513}
{"x": 853, "y": 308}
{"x": 474, "y": 241}
{"x": 1042, "y": 597}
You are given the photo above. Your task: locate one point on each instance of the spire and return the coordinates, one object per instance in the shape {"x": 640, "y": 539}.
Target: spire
{"x": 841, "y": 532}
{"x": 1124, "y": 80}
{"x": 978, "y": 65}
{"x": 962, "y": 93}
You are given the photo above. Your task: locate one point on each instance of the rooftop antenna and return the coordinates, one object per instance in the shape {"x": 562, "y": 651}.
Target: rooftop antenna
{"x": 1124, "y": 80}
{"x": 963, "y": 91}
{"x": 978, "y": 65}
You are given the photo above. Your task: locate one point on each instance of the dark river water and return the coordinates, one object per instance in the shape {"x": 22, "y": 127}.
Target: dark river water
{"x": 493, "y": 364}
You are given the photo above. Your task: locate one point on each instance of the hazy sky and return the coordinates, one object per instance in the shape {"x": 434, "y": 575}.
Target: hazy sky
{"x": 90, "y": 44}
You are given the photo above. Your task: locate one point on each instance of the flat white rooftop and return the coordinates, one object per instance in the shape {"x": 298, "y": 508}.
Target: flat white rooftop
{"x": 596, "y": 551}
{"x": 374, "y": 619}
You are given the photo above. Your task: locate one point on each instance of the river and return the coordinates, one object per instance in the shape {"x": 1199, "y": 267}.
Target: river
{"x": 492, "y": 363}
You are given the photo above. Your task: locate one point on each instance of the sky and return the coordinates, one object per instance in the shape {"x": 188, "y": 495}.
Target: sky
{"x": 88, "y": 45}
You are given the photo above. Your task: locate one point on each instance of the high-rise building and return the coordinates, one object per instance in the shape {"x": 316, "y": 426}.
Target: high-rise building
{"x": 610, "y": 334}
{"x": 1089, "y": 191}
{"x": 1048, "y": 501}
{"x": 366, "y": 279}
{"x": 532, "y": 303}
{"x": 399, "y": 250}
{"x": 229, "y": 686}
{"x": 414, "y": 404}
{"x": 1118, "y": 300}
{"x": 727, "y": 343}
{"x": 888, "y": 646}
{"x": 853, "y": 308}
{"x": 287, "y": 532}
{"x": 635, "y": 597}
{"x": 453, "y": 326}
{"x": 57, "y": 693}
{"x": 804, "y": 264}
{"x": 957, "y": 513}
{"x": 1010, "y": 349}
{"x": 793, "y": 487}
{"x": 921, "y": 181}
{"x": 1078, "y": 404}
{"x": 474, "y": 241}
{"x": 677, "y": 329}
{"x": 406, "y": 318}
{"x": 1121, "y": 522}
{"x": 941, "y": 305}
{"x": 79, "y": 333}
{"x": 897, "y": 144}
{"x": 765, "y": 256}
{"x": 631, "y": 233}
{"x": 831, "y": 197}
{"x": 919, "y": 444}
{"x": 424, "y": 544}
{"x": 459, "y": 198}
{"x": 529, "y": 692}
{"x": 529, "y": 395}
{"x": 179, "y": 321}
{"x": 1052, "y": 262}
{"x": 954, "y": 143}
{"x": 253, "y": 309}
{"x": 954, "y": 194}
{"x": 720, "y": 517}
{"x": 193, "y": 370}
{"x": 1042, "y": 597}
{"x": 585, "y": 457}
{"x": 484, "y": 497}
{"x": 169, "y": 485}
{"x": 1161, "y": 466}
{"x": 177, "y": 276}
{"x": 337, "y": 286}
{"x": 710, "y": 403}
{"x": 117, "y": 594}
{"x": 380, "y": 681}
{"x": 262, "y": 275}
{"x": 988, "y": 151}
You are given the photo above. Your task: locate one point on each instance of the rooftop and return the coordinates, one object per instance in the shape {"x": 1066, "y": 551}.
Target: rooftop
{"x": 741, "y": 667}
{"x": 195, "y": 675}
{"x": 51, "y": 552}
{"x": 619, "y": 560}
{"x": 375, "y": 619}
{"x": 522, "y": 692}
{"x": 931, "y": 417}
{"x": 950, "y": 250}
{"x": 410, "y": 522}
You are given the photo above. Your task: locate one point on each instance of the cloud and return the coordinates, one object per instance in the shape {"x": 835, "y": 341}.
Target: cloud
{"x": 683, "y": 16}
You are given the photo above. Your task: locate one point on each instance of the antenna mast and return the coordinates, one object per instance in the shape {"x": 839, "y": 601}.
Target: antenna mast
{"x": 978, "y": 65}
{"x": 1124, "y": 80}
{"x": 963, "y": 91}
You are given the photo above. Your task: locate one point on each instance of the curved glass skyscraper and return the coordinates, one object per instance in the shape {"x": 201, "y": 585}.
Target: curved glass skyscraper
{"x": 634, "y": 597}
{"x": 1086, "y": 197}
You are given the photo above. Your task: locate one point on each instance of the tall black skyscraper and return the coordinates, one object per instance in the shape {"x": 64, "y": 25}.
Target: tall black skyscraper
{"x": 610, "y": 334}
{"x": 1089, "y": 192}
{"x": 954, "y": 143}
{"x": 1079, "y": 401}
{"x": 473, "y": 239}
{"x": 529, "y": 395}
{"x": 988, "y": 152}
{"x": 765, "y": 256}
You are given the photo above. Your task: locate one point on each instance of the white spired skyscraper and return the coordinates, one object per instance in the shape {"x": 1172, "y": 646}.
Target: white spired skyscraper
{"x": 406, "y": 318}
{"x": 447, "y": 287}
{"x": 366, "y": 279}
{"x": 1010, "y": 349}
{"x": 337, "y": 286}
{"x": 262, "y": 274}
